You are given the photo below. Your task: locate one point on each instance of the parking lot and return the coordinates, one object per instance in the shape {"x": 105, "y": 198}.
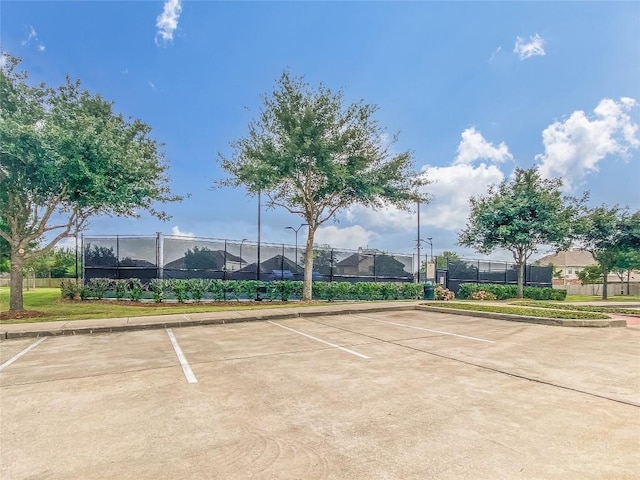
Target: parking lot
{"x": 391, "y": 395}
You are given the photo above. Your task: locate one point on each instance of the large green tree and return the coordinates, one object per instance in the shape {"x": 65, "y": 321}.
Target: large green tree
{"x": 607, "y": 232}
{"x": 65, "y": 156}
{"x": 313, "y": 155}
{"x": 519, "y": 215}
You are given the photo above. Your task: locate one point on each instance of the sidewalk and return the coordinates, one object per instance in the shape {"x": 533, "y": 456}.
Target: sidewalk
{"x": 106, "y": 325}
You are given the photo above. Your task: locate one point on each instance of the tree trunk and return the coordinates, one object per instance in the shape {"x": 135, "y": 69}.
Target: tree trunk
{"x": 520, "y": 279}
{"x": 16, "y": 301}
{"x": 605, "y": 275}
{"x": 307, "y": 287}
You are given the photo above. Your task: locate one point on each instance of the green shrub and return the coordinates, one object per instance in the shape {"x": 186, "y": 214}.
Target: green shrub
{"x": 216, "y": 289}
{"x": 135, "y": 289}
{"x": 482, "y": 295}
{"x": 180, "y": 289}
{"x": 158, "y": 288}
{"x": 442, "y": 293}
{"x": 197, "y": 288}
{"x": 120, "y": 287}
{"x": 503, "y": 292}
{"x": 97, "y": 287}
{"x": 69, "y": 288}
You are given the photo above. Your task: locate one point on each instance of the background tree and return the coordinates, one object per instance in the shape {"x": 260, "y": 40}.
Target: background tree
{"x": 65, "y": 156}
{"x": 606, "y": 232}
{"x": 625, "y": 260}
{"x": 519, "y": 215}
{"x": 203, "y": 259}
{"x": 590, "y": 275}
{"x": 444, "y": 257}
{"x": 56, "y": 263}
{"x": 313, "y": 156}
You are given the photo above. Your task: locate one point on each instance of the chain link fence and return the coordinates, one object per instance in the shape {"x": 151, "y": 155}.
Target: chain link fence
{"x": 481, "y": 271}
{"x": 168, "y": 257}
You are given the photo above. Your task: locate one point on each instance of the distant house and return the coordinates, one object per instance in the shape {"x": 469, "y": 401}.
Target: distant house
{"x": 277, "y": 262}
{"x": 567, "y": 264}
{"x": 205, "y": 259}
{"x": 370, "y": 262}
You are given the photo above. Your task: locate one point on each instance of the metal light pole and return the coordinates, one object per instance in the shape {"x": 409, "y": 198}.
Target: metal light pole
{"x": 418, "y": 243}
{"x": 258, "y": 264}
{"x": 296, "y": 230}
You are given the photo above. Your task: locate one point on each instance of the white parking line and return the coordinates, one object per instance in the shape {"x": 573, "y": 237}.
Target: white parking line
{"x": 18, "y": 355}
{"x": 352, "y": 352}
{"x": 426, "y": 329}
{"x": 191, "y": 378}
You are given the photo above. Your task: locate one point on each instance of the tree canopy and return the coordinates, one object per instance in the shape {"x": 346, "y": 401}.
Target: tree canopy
{"x": 313, "y": 155}
{"x": 609, "y": 233}
{"x": 65, "y": 155}
{"x": 519, "y": 215}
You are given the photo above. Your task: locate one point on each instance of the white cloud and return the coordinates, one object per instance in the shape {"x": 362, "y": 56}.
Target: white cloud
{"x": 167, "y": 22}
{"x": 534, "y": 48}
{"x": 495, "y": 53}
{"x": 574, "y": 147}
{"x": 175, "y": 230}
{"x": 474, "y": 147}
{"x": 32, "y": 36}
{"x": 451, "y": 190}
{"x": 152, "y": 85}
{"x": 347, "y": 237}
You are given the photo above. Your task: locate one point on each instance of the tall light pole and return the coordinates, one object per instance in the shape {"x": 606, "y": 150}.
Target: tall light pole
{"x": 418, "y": 242}
{"x": 258, "y": 260}
{"x": 296, "y": 230}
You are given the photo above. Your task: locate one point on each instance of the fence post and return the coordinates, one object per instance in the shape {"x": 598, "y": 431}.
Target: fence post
{"x": 118, "y": 256}
{"x": 375, "y": 276}
{"x": 331, "y": 266}
{"x": 159, "y": 255}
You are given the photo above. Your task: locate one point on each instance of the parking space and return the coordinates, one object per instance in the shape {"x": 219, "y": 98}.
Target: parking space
{"x": 408, "y": 395}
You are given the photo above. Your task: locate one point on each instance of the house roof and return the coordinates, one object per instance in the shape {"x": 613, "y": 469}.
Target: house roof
{"x": 570, "y": 258}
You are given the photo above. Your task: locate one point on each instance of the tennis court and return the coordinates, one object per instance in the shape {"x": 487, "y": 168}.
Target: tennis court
{"x": 391, "y": 395}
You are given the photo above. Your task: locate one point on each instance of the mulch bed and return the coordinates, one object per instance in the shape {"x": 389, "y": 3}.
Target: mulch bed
{"x": 20, "y": 314}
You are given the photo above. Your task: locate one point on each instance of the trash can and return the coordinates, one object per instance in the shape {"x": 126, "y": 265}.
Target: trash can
{"x": 429, "y": 291}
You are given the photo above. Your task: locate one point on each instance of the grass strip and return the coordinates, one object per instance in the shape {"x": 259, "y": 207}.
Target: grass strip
{"x": 524, "y": 311}
{"x": 580, "y": 308}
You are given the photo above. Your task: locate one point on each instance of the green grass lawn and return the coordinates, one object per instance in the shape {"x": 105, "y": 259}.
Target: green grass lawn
{"x": 519, "y": 310}
{"x": 48, "y": 301}
{"x": 598, "y": 298}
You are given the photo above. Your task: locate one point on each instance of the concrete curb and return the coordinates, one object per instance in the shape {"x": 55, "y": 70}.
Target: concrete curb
{"x": 156, "y": 323}
{"x": 558, "y": 322}
{"x": 26, "y": 330}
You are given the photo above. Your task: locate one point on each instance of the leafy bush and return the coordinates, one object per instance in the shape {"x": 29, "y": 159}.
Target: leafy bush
{"x": 482, "y": 295}
{"x": 180, "y": 289}
{"x": 157, "y": 287}
{"x": 135, "y": 289}
{"x": 503, "y": 292}
{"x": 216, "y": 289}
{"x": 197, "y": 287}
{"x": 120, "y": 288}
{"x": 69, "y": 288}
{"x": 442, "y": 293}
{"x": 97, "y": 287}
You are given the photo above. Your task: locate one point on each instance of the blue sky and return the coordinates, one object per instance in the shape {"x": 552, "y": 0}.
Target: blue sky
{"x": 474, "y": 89}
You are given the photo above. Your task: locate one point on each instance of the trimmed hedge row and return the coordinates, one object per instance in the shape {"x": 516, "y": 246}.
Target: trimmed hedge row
{"x": 504, "y": 292}
{"x": 218, "y": 290}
